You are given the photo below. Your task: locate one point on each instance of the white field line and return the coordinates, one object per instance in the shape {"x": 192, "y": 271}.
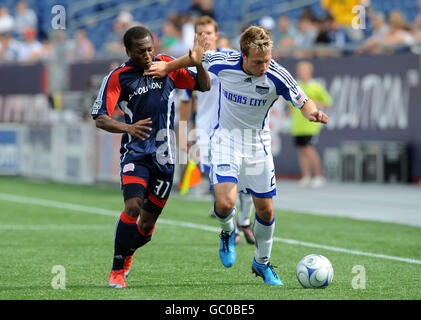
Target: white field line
{"x": 53, "y": 227}
{"x": 115, "y": 213}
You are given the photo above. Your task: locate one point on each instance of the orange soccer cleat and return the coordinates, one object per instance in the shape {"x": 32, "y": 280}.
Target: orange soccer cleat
{"x": 127, "y": 265}
{"x": 116, "y": 279}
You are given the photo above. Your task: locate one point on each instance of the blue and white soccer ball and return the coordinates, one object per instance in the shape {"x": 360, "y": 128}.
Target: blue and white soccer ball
{"x": 314, "y": 271}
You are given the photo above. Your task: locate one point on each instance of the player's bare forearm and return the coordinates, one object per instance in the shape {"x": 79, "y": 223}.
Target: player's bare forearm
{"x": 138, "y": 129}
{"x": 203, "y": 79}
{"x": 160, "y": 69}
{"x": 310, "y": 111}
{"x": 179, "y": 63}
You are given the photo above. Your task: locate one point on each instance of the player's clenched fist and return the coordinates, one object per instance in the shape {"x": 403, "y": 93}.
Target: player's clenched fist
{"x": 318, "y": 116}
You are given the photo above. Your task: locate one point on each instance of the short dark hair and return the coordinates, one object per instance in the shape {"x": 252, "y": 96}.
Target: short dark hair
{"x": 136, "y": 32}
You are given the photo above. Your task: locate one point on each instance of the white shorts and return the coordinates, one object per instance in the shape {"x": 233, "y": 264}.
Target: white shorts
{"x": 246, "y": 160}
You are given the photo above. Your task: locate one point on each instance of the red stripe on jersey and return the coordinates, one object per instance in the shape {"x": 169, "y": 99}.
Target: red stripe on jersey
{"x": 160, "y": 203}
{"x": 114, "y": 89}
{"x": 132, "y": 179}
{"x": 181, "y": 77}
{"x": 164, "y": 58}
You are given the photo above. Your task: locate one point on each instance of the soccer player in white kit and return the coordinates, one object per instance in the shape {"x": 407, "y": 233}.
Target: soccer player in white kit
{"x": 241, "y": 159}
{"x": 207, "y": 118}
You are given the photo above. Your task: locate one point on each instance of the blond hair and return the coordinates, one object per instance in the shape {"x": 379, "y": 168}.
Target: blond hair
{"x": 204, "y": 20}
{"x": 255, "y": 37}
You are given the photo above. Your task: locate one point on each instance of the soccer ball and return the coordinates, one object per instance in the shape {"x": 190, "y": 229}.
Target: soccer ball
{"x": 314, "y": 271}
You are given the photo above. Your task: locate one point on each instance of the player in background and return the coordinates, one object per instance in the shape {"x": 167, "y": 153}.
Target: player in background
{"x": 206, "y": 118}
{"x": 306, "y": 133}
{"x": 241, "y": 159}
{"x": 147, "y": 145}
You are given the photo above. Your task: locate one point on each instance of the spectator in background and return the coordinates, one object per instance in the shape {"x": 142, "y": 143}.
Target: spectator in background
{"x": 200, "y": 8}
{"x": 306, "y": 133}
{"x": 31, "y": 50}
{"x": 235, "y": 42}
{"x": 59, "y": 48}
{"x": 207, "y": 8}
{"x": 195, "y": 9}
{"x": 284, "y": 37}
{"x": 175, "y": 28}
{"x": 268, "y": 23}
{"x": 81, "y": 47}
{"x": 416, "y": 25}
{"x": 379, "y": 31}
{"x": 25, "y": 18}
{"x": 9, "y": 48}
{"x": 169, "y": 36}
{"x": 187, "y": 29}
{"x": 7, "y": 22}
{"x": 337, "y": 36}
{"x": 223, "y": 43}
{"x": 113, "y": 46}
{"x": 305, "y": 39}
{"x": 341, "y": 12}
{"x": 398, "y": 38}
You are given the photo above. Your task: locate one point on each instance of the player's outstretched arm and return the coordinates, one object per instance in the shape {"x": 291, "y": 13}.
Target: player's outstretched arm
{"x": 310, "y": 111}
{"x": 139, "y": 129}
{"x": 160, "y": 69}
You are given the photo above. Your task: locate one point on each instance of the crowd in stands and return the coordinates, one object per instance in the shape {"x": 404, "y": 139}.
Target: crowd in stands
{"x": 310, "y": 36}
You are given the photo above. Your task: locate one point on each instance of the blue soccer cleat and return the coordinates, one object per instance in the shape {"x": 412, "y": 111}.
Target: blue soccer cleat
{"x": 227, "y": 252}
{"x": 266, "y": 272}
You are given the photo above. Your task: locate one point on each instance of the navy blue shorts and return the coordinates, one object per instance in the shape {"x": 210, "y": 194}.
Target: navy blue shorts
{"x": 142, "y": 177}
{"x": 303, "y": 141}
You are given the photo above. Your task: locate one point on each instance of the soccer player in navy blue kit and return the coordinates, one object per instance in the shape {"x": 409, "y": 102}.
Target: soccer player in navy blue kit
{"x": 148, "y": 142}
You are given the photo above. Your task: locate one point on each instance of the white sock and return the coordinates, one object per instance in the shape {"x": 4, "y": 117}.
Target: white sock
{"x": 246, "y": 209}
{"x": 226, "y": 223}
{"x": 263, "y": 232}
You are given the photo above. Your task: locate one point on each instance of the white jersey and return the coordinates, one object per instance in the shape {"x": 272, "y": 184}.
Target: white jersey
{"x": 245, "y": 100}
{"x": 207, "y": 105}
{"x": 207, "y": 102}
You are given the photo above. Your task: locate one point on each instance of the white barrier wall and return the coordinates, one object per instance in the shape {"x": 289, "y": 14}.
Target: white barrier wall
{"x": 63, "y": 153}
{"x": 107, "y": 158}
{"x": 9, "y": 149}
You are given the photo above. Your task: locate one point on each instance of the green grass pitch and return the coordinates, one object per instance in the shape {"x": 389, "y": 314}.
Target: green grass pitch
{"x": 43, "y": 225}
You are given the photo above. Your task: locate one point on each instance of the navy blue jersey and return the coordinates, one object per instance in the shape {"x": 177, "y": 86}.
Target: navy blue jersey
{"x": 141, "y": 97}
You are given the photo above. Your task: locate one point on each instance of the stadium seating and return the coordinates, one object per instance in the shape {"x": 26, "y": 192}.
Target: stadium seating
{"x": 229, "y": 13}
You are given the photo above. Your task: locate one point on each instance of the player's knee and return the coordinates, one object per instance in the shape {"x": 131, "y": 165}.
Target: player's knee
{"x": 225, "y": 206}
{"x": 147, "y": 227}
{"x": 265, "y": 213}
{"x": 132, "y": 207}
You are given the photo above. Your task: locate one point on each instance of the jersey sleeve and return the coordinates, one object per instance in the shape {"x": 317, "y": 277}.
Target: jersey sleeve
{"x": 108, "y": 94}
{"x": 286, "y": 86}
{"x": 214, "y": 61}
{"x": 183, "y": 78}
